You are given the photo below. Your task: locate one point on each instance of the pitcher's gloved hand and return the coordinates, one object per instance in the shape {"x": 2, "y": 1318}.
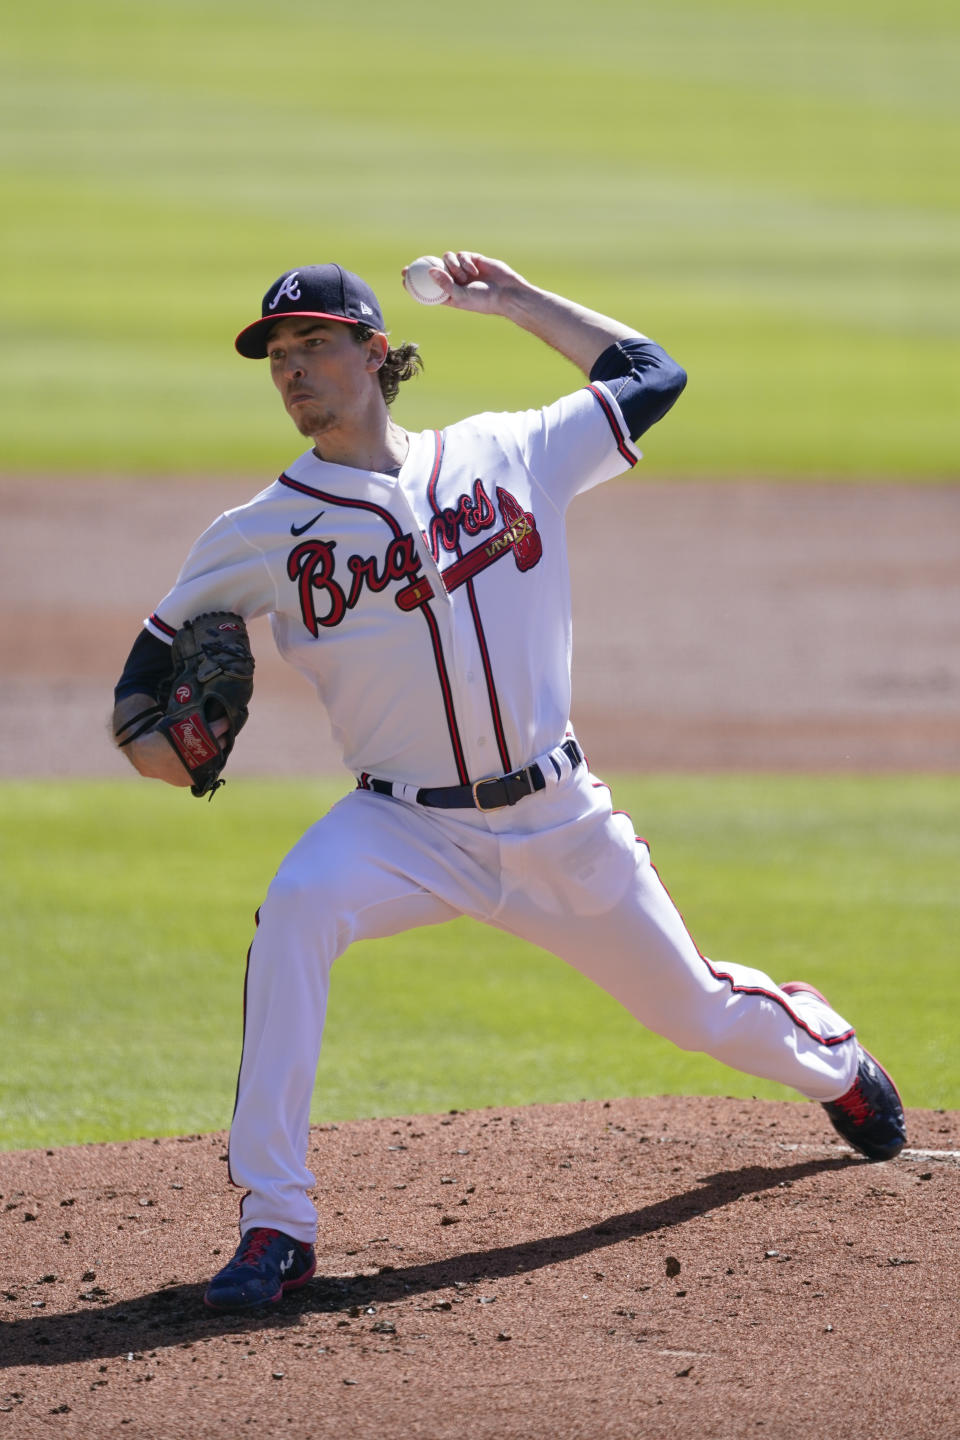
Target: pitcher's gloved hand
{"x": 212, "y": 682}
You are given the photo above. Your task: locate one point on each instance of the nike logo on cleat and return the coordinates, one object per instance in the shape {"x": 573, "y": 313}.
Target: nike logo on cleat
{"x": 287, "y": 1264}
{"x": 302, "y": 529}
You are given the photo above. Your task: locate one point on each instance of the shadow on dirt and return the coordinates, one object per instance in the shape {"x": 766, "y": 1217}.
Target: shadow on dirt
{"x": 175, "y": 1315}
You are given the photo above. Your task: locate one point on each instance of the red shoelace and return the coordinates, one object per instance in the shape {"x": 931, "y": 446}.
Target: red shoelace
{"x": 255, "y": 1244}
{"x": 856, "y": 1105}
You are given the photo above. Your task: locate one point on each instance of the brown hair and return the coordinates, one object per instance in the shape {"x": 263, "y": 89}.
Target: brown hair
{"x": 400, "y": 364}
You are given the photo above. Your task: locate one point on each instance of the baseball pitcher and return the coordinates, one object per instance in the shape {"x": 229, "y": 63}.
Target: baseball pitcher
{"x": 420, "y": 582}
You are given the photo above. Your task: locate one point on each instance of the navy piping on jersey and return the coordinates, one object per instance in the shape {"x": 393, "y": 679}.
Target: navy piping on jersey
{"x": 236, "y": 1098}
{"x": 492, "y": 697}
{"x": 425, "y": 611}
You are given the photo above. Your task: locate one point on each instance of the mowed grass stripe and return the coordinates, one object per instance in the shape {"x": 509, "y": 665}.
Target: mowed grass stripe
{"x": 771, "y": 193}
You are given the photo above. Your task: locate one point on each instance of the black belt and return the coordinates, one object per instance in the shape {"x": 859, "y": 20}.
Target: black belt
{"x": 493, "y": 794}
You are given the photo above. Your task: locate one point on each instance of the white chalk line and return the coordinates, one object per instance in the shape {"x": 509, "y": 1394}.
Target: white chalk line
{"x": 905, "y": 1154}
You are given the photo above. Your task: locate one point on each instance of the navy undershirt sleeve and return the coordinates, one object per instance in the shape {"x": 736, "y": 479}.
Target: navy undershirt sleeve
{"x": 148, "y": 669}
{"x": 643, "y": 380}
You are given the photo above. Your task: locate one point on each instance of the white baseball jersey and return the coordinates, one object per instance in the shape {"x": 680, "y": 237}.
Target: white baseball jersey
{"x": 399, "y": 597}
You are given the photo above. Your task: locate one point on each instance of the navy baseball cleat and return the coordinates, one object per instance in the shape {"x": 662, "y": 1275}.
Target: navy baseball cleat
{"x": 870, "y": 1115}
{"x": 267, "y": 1264}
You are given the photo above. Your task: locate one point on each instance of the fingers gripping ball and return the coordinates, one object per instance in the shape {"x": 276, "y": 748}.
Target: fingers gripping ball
{"x": 212, "y": 680}
{"x": 419, "y": 283}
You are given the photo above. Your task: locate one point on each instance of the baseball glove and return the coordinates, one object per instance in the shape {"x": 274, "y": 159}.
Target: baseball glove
{"x": 212, "y": 680}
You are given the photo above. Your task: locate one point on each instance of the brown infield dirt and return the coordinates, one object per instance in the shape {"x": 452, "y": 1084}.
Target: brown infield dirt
{"x": 645, "y": 1267}
{"x": 638, "y": 1268}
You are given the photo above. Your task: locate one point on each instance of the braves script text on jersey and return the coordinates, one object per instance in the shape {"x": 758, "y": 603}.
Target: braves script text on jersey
{"x": 431, "y": 610}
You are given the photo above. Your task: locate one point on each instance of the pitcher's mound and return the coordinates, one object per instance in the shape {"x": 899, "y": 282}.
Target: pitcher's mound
{"x": 647, "y": 1267}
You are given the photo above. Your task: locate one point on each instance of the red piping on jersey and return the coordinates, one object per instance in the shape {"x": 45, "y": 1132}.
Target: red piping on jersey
{"x": 719, "y": 974}
{"x": 432, "y": 482}
{"x": 488, "y": 677}
{"x": 492, "y": 697}
{"x": 444, "y": 680}
{"x": 605, "y": 406}
{"x": 424, "y": 608}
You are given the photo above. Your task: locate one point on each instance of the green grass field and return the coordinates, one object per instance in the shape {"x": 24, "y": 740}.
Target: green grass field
{"x": 769, "y": 190}
{"x": 126, "y": 913}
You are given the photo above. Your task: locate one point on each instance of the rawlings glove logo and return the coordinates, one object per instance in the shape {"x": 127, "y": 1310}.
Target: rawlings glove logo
{"x": 196, "y": 747}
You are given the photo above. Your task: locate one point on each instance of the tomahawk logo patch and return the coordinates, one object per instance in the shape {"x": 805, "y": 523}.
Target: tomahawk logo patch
{"x": 519, "y": 538}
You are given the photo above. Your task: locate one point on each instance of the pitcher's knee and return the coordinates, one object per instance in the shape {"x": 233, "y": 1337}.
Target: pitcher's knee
{"x": 301, "y": 907}
{"x": 684, "y": 1014}
{"x": 307, "y": 891}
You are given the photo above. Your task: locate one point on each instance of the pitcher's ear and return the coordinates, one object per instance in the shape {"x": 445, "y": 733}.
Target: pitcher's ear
{"x": 378, "y": 348}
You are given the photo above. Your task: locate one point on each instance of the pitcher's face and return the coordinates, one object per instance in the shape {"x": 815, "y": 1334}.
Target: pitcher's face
{"x": 324, "y": 374}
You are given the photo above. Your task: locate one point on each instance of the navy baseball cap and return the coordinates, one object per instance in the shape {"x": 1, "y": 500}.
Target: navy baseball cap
{"x": 327, "y": 292}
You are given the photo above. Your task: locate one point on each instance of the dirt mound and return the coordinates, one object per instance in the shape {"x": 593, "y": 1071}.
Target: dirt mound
{"x": 664, "y": 1267}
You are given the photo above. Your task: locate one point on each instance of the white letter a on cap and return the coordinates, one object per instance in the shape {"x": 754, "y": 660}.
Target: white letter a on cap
{"x": 289, "y": 286}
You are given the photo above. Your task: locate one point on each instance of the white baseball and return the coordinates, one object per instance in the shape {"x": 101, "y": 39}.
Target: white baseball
{"x": 419, "y": 283}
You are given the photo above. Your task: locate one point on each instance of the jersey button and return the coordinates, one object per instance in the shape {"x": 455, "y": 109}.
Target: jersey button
{"x": 482, "y": 740}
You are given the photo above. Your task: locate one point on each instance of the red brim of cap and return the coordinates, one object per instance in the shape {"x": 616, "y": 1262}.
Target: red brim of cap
{"x": 252, "y": 341}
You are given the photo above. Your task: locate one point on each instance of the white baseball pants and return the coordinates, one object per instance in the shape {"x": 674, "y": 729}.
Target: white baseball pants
{"x": 560, "y": 869}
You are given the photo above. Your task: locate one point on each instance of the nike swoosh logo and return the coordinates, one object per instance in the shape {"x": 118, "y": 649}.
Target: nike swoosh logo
{"x": 302, "y": 529}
